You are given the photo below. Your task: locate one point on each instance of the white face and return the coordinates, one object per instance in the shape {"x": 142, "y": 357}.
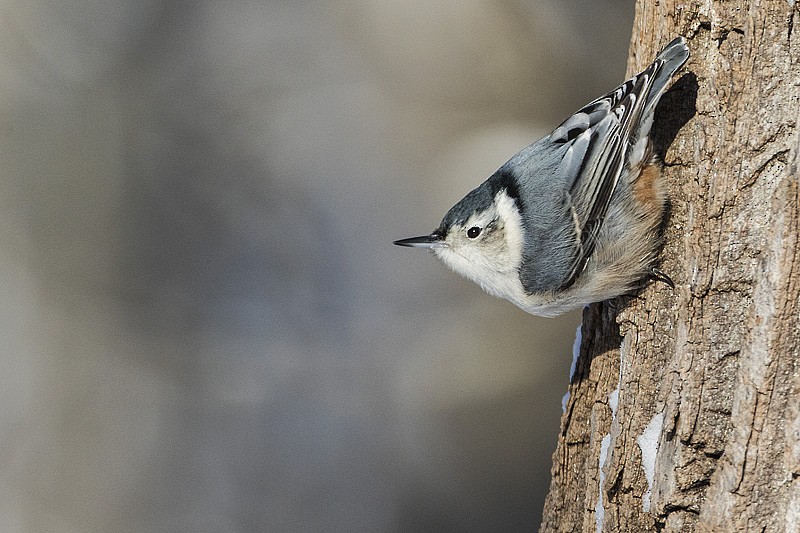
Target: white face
{"x": 487, "y": 248}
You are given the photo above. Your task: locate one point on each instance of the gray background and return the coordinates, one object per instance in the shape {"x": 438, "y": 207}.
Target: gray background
{"x": 203, "y": 323}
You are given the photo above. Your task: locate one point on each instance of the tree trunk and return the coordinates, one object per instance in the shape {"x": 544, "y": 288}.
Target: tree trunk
{"x": 684, "y": 412}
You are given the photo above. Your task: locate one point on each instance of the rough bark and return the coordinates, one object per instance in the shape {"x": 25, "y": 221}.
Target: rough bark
{"x": 718, "y": 357}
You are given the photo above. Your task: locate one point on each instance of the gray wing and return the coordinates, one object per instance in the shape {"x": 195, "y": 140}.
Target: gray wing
{"x": 600, "y": 137}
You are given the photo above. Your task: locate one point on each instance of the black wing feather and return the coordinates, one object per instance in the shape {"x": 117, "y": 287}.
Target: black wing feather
{"x": 610, "y": 122}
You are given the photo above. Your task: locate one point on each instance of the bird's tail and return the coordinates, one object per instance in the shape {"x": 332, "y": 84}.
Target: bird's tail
{"x": 666, "y": 64}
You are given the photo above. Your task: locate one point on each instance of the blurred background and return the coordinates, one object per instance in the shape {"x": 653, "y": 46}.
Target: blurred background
{"x": 204, "y": 325}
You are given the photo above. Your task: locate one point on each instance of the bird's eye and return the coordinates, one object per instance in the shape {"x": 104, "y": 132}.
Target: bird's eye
{"x": 473, "y": 232}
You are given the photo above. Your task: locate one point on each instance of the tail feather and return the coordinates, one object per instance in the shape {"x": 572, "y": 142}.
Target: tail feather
{"x": 667, "y": 63}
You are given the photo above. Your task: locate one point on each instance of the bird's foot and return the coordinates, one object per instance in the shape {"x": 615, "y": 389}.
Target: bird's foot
{"x": 659, "y": 275}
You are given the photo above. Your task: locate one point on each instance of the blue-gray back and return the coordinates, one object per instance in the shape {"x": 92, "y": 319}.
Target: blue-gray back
{"x": 567, "y": 180}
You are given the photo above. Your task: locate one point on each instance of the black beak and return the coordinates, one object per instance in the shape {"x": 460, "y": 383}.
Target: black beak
{"x": 434, "y": 240}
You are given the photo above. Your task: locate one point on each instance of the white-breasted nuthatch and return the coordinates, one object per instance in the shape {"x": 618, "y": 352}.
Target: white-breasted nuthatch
{"x": 573, "y": 218}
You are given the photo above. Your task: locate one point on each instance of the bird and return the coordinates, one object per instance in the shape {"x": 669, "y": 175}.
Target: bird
{"x": 575, "y": 217}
